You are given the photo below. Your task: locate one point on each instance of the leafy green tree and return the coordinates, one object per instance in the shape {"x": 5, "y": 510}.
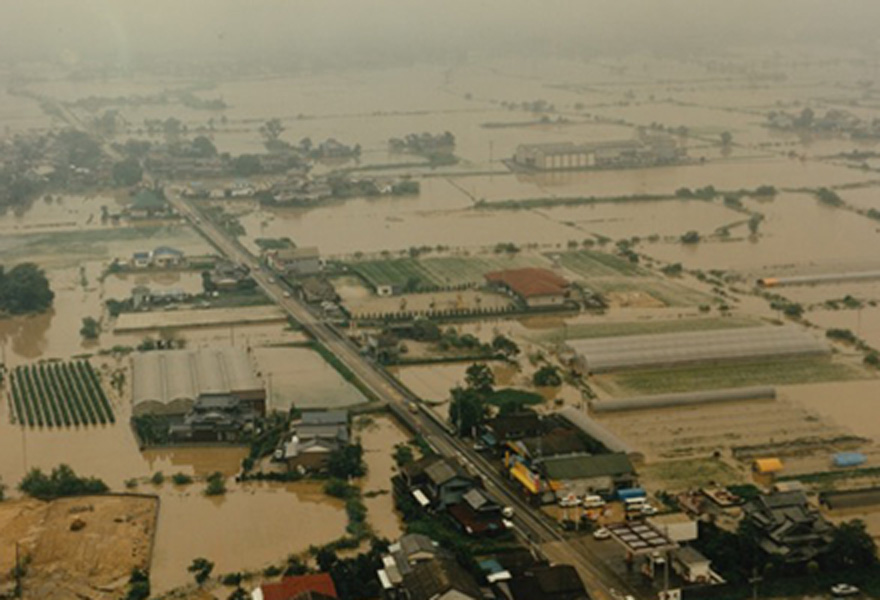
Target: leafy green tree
{"x": 425, "y": 330}
{"x": 691, "y": 237}
{"x": 272, "y": 129}
{"x": 90, "y": 329}
{"x": 239, "y": 594}
{"x": 201, "y": 569}
{"x": 403, "y": 455}
{"x": 204, "y": 147}
{"x": 467, "y": 409}
{"x": 326, "y": 558}
{"x": 347, "y": 461}
{"x": 548, "y": 375}
{"x": 505, "y": 346}
{"x": 246, "y": 165}
{"x": 138, "y": 585}
{"x": 480, "y": 379}
{"x": 852, "y": 547}
{"x": 216, "y": 484}
{"x": 127, "y": 172}
{"x": 755, "y": 223}
{"x": 62, "y": 482}
{"x": 24, "y": 289}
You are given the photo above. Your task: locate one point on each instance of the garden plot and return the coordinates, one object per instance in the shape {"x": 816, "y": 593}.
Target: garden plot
{"x": 729, "y": 375}
{"x": 59, "y": 395}
{"x": 624, "y": 283}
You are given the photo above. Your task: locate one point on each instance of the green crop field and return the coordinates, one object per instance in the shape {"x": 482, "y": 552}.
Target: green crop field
{"x": 583, "y": 331}
{"x": 587, "y": 263}
{"x": 440, "y": 272}
{"x": 59, "y": 395}
{"x": 735, "y": 374}
{"x": 667, "y": 292}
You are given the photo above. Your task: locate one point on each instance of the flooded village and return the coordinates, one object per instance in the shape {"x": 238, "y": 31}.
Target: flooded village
{"x": 482, "y": 326}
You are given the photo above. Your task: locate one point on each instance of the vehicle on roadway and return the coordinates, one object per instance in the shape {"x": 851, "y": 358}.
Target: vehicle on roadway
{"x": 601, "y": 534}
{"x": 507, "y": 512}
{"x": 649, "y": 510}
{"x": 271, "y": 280}
{"x": 286, "y": 294}
{"x": 842, "y": 590}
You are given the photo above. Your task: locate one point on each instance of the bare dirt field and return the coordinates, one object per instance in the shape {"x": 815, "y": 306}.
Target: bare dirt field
{"x": 93, "y": 562}
{"x": 197, "y": 318}
{"x": 742, "y": 430}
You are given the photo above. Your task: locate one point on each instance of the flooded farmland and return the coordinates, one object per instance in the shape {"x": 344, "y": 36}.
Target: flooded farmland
{"x": 330, "y": 206}
{"x": 300, "y": 377}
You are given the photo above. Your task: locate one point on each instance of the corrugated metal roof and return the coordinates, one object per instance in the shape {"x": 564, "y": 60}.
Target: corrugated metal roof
{"x": 167, "y": 376}
{"x": 635, "y": 351}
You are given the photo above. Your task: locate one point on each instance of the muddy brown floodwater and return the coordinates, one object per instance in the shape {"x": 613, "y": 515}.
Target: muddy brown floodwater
{"x": 379, "y": 436}
{"x": 248, "y": 528}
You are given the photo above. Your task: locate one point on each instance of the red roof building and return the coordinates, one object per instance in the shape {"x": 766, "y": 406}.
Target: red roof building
{"x": 301, "y": 587}
{"x": 535, "y": 287}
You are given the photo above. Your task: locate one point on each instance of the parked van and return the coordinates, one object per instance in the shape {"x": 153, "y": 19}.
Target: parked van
{"x": 593, "y": 502}
{"x": 632, "y": 505}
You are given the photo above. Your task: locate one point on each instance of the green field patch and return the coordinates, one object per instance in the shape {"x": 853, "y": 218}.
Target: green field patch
{"x": 584, "y": 331}
{"x": 441, "y": 272}
{"x": 735, "y": 374}
{"x": 588, "y": 263}
{"x": 667, "y": 292}
{"x": 679, "y": 475}
{"x": 61, "y": 394}
{"x": 514, "y": 397}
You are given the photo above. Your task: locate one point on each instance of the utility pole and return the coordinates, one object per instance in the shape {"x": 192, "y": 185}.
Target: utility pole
{"x": 755, "y": 580}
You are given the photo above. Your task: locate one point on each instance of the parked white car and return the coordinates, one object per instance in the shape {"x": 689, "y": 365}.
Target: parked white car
{"x": 601, "y": 534}
{"x": 844, "y": 589}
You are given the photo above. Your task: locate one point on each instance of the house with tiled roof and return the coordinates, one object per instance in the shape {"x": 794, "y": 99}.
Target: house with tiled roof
{"x": 536, "y": 288}
{"x": 318, "y": 586}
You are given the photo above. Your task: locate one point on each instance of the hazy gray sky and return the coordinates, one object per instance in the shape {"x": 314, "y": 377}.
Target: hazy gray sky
{"x": 129, "y": 30}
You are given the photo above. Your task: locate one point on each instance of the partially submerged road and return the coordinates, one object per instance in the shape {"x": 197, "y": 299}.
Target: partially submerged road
{"x": 531, "y": 524}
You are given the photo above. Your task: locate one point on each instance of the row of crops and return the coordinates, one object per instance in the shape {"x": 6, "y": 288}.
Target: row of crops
{"x": 59, "y": 394}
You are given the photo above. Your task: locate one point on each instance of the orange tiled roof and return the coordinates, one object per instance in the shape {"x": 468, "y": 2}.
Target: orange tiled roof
{"x": 530, "y": 281}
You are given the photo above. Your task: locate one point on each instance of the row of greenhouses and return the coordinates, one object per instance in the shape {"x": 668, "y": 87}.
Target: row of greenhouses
{"x": 59, "y": 394}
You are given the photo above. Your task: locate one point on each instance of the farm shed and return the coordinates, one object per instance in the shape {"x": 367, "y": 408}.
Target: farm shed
{"x": 588, "y": 474}
{"x": 535, "y": 287}
{"x": 684, "y": 399}
{"x": 644, "y": 351}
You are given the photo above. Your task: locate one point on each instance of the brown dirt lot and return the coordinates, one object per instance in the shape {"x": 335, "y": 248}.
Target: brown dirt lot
{"x": 94, "y": 562}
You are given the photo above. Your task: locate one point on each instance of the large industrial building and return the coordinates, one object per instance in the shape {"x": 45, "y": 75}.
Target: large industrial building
{"x": 656, "y": 350}
{"x": 168, "y": 382}
{"x": 647, "y": 150}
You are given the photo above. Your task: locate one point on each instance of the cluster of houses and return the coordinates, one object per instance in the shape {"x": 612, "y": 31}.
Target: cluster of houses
{"x": 441, "y": 485}
{"x": 834, "y": 121}
{"x": 415, "y": 567}
{"x": 552, "y": 460}
{"x": 162, "y": 257}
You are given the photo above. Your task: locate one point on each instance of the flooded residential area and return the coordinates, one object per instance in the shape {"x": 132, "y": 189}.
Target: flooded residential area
{"x": 483, "y": 302}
